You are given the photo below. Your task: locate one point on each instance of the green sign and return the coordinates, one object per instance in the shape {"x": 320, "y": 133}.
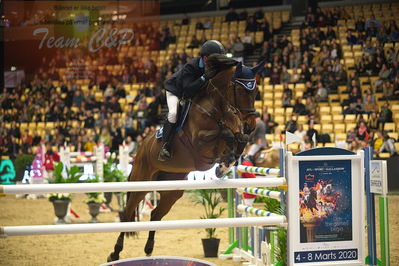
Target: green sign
{"x": 7, "y": 172}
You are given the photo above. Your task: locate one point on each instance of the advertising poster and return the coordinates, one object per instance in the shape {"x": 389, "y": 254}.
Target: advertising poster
{"x": 325, "y": 196}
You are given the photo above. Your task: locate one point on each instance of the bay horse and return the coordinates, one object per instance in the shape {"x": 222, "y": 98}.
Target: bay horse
{"x": 215, "y": 131}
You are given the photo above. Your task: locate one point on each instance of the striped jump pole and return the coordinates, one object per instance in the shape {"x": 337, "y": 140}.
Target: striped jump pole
{"x": 138, "y": 226}
{"x": 254, "y": 211}
{"x": 139, "y": 186}
{"x": 261, "y": 192}
{"x": 258, "y": 170}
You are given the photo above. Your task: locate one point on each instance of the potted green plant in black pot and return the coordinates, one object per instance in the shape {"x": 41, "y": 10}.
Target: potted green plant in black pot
{"x": 61, "y": 200}
{"x": 210, "y": 200}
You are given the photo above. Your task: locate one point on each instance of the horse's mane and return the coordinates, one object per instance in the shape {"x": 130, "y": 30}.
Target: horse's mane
{"x": 218, "y": 62}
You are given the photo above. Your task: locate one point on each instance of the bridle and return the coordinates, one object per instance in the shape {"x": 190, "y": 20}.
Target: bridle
{"x": 249, "y": 111}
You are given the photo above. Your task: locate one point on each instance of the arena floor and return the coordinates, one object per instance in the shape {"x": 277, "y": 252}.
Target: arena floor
{"x": 92, "y": 249}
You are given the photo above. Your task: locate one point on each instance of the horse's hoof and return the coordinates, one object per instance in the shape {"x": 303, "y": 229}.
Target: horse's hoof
{"x": 149, "y": 247}
{"x": 112, "y": 257}
{"x": 148, "y": 254}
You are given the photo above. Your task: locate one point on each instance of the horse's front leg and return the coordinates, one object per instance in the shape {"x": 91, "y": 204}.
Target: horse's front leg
{"x": 168, "y": 198}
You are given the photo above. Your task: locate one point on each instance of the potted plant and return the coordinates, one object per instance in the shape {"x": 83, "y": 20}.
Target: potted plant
{"x": 113, "y": 174}
{"x": 210, "y": 200}
{"x": 61, "y": 201}
{"x": 94, "y": 201}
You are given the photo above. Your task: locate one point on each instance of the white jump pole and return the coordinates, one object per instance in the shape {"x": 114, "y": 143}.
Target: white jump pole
{"x": 141, "y": 186}
{"x": 138, "y": 226}
{"x": 258, "y": 170}
{"x": 260, "y": 192}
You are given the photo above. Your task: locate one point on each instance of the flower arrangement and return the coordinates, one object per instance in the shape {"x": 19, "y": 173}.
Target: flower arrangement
{"x": 96, "y": 197}
{"x": 59, "y": 196}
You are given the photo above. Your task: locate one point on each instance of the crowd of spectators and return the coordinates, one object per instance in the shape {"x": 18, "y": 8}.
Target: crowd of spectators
{"x": 81, "y": 119}
{"x": 319, "y": 58}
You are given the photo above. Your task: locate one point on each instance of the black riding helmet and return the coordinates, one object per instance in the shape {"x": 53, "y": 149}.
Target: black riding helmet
{"x": 212, "y": 47}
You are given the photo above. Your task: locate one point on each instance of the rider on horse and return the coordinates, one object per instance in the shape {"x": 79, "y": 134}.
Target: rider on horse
{"x": 186, "y": 83}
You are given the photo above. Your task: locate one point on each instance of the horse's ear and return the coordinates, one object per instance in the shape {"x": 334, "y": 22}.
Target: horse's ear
{"x": 259, "y": 67}
{"x": 238, "y": 69}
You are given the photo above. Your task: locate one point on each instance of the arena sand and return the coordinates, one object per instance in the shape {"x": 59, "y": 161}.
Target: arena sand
{"x": 93, "y": 249}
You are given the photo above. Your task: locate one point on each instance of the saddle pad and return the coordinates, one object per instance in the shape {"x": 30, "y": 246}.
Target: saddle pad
{"x": 180, "y": 121}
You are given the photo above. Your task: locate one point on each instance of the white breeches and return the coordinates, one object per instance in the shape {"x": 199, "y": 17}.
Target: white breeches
{"x": 173, "y": 103}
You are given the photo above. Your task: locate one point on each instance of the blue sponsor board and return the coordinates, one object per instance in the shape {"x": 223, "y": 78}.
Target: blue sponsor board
{"x": 326, "y": 255}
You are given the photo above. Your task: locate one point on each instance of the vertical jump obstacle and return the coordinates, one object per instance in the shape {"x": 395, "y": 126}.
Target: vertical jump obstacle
{"x": 324, "y": 209}
{"x": 332, "y": 197}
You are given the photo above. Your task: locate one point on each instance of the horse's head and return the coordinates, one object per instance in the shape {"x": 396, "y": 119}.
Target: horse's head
{"x": 244, "y": 93}
{"x": 237, "y": 86}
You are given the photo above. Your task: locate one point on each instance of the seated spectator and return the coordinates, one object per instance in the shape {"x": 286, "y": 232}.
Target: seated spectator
{"x": 370, "y": 106}
{"x": 185, "y": 20}
{"x": 195, "y": 43}
{"x": 383, "y": 75}
{"x": 388, "y": 145}
{"x": 311, "y": 132}
{"x": 387, "y": 90}
{"x": 285, "y": 77}
{"x": 243, "y": 15}
{"x": 373, "y": 122}
{"x": 208, "y": 23}
{"x": 311, "y": 105}
{"x": 385, "y": 115}
{"x": 321, "y": 93}
{"x": 351, "y": 38}
{"x": 105, "y": 137}
{"x": 355, "y": 108}
{"x": 252, "y": 25}
{"x": 341, "y": 76}
{"x": 90, "y": 144}
{"x": 301, "y": 133}
{"x": 295, "y": 76}
{"x": 259, "y": 14}
{"x": 238, "y": 48}
{"x": 299, "y": 107}
{"x": 199, "y": 25}
{"x": 269, "y": 122}
{"x": 291, "y": 125}
{"x": 362, "y": 133}
{"x": 360, "y": 24}
{"x": 231, "y": 15}
{"x": 331, "y": 33}
{"x": 248, "y": 42}
{"x": 286, "y": 100}
{"x": 351, "y": 135}
{"x": 377, "y": 142}
{"x": 275, "y": 76}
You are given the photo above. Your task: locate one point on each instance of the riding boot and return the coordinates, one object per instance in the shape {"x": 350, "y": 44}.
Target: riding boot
{"x": 167, "y": 137}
